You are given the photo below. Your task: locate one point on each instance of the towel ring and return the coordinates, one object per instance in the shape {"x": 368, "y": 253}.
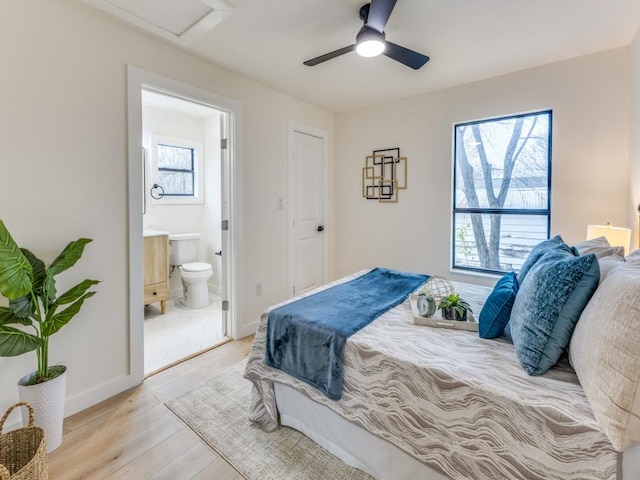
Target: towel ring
{"x": 159, "y": 195}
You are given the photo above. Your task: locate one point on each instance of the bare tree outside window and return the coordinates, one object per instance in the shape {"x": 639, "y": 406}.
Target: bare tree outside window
{"x": 176, "y": 170}
{"x": 501, "y": 190}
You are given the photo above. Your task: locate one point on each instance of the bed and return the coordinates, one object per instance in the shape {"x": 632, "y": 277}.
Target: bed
{"x": 421, "y": 402}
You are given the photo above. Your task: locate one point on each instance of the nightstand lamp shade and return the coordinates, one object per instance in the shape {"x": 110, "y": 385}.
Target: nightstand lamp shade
{"x": 616, "y": 236}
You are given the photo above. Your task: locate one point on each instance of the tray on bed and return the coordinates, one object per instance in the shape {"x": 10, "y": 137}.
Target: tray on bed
{"x": 437, "y": 321}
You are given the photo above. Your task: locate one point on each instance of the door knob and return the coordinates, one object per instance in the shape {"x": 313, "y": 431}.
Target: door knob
{"x": 321, "y": 228}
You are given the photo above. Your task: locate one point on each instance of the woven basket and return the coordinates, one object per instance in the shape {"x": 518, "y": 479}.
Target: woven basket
{"x": 23, "y": 452}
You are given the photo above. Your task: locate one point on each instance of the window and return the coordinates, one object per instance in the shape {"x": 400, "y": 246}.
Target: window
{"x": 177, "y": 170}
{"x": 502, "y": 191}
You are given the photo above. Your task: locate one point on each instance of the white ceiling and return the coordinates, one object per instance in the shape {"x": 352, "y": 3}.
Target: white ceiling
{"x": 467, "y": 40}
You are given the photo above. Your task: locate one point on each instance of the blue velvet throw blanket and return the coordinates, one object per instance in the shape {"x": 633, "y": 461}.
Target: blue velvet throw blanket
{"x": 306, "y": 338}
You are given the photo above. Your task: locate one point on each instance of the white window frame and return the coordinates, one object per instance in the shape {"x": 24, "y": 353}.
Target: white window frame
{"x": 198, "y": 170}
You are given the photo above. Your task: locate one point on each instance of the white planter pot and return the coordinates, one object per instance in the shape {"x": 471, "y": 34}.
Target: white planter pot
{"x": 47, "y": 400}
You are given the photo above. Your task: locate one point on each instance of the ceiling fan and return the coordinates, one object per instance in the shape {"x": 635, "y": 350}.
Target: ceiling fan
{"x": 371, "y": 41}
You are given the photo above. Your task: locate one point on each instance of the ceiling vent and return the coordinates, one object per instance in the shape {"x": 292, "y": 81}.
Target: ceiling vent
{"x": 181, "y": 21}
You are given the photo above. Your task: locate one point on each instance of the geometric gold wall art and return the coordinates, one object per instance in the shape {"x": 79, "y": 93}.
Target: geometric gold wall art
{"x": 383, "y": 175}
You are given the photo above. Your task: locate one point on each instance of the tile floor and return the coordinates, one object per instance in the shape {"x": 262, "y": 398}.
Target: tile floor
{"x": 180, "y": 332}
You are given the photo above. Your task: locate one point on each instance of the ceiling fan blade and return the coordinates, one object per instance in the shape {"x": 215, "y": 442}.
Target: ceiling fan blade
{"x": 403, "y": 55}
{"x": 329, "y": 56}
{"x": 379, "y": 13}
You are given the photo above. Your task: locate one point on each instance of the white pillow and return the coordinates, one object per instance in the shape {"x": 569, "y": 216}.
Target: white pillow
{"x": 633, "y": 257}
{"x": 608, "y": 263}
{"x": 600, "y": 247}
{"x": 605, "y": 353}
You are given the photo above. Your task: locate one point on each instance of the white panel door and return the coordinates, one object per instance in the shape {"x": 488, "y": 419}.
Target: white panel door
{"x": 308, "y": 212}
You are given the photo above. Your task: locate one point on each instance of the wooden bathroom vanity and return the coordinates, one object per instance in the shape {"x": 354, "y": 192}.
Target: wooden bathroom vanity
{"x": 156, "y": 268}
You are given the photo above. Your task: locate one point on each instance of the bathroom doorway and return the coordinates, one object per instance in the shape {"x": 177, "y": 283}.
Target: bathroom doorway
{"x": 183, "y": 201}
{"x": 184, "y": 184}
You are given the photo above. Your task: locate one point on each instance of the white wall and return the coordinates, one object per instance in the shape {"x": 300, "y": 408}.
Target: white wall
{"x": 590, "y": 101}
{"x": 634, "y": 170}
{"x": 63, "y": 173}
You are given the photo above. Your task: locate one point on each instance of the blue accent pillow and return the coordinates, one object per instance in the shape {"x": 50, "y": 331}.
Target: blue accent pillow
{"x": 496, "y": 311}
{"x": 555, "y": 243}
{"x": 548, "y": 306}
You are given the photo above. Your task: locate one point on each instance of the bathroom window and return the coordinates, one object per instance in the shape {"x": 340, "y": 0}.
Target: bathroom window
{"x": 177, "y": 170}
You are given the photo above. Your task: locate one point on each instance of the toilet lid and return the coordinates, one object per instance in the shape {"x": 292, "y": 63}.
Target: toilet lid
{"x": 196, "y": 267}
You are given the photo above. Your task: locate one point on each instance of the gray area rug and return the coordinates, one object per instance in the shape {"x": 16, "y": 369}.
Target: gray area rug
{"x": 217, "y": 411}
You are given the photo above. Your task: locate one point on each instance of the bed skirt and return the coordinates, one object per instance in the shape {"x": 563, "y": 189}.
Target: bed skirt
{"x": 352, "y": 444}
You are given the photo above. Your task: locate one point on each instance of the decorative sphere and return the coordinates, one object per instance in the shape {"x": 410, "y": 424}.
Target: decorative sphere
{"x": 438, "y": 287}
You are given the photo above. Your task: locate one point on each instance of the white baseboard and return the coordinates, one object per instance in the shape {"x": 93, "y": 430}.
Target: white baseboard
{"x": 248, "y": 329}
{"x": 215, "y": 290}
{"x": 95, "y": 395}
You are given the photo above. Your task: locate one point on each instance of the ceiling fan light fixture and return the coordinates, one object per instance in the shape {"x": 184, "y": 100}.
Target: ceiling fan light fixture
{"x": 371, "y": 41}
{"x": 370, "y": 48}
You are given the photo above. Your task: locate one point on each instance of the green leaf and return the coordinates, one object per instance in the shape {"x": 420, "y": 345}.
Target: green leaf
{"x": 49, "y": 288}
{"x": 7, "y": 317}
{"x": 15, "y": 271}
{"x": 22, "y": 307}
{"x": 68, "y": 258}
{"x": 38, "y": 269}
{"x": 76, "y": 292}
{"x": 59, "y": 320}
{"x": 14, "y": 342}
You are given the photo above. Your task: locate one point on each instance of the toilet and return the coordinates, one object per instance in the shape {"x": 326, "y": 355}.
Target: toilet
{"x": 183, "y": 255}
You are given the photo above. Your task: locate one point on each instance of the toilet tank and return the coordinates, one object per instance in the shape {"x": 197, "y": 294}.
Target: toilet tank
{"x": 183, "y": 248}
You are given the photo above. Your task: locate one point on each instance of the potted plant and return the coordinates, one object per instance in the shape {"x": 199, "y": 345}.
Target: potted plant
{"x": 34, "y": 313}
{"x": 454, "y": 308}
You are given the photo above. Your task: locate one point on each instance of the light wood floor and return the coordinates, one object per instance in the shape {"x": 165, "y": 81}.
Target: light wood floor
{"x": 134, "y": 436}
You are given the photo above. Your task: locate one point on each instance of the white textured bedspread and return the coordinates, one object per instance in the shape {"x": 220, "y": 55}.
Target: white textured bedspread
{"x": 462, "y": 405}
